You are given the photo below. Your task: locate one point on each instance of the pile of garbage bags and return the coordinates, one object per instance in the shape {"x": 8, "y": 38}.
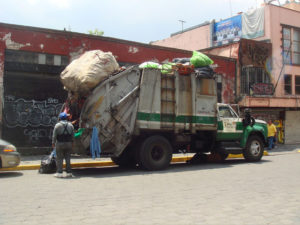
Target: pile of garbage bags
{"x": 86, "y": 72}
{"x": 199, "y": 63}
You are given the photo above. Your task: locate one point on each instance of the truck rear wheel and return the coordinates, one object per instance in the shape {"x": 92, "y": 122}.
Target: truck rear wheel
{"x": 254, "y": 149}
{"x": 155, "y": 153}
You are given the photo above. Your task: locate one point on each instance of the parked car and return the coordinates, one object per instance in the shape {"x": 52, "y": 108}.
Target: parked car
{"x": 9, "y": 157}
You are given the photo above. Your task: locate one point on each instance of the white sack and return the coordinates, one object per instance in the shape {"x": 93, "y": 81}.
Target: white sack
{"x": 85, "y": 72}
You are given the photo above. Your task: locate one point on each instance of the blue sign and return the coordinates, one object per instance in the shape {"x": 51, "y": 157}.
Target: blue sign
{"x": 227, "y": 31}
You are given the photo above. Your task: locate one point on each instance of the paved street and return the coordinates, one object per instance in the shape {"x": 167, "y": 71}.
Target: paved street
{"x": 235, "y": 192}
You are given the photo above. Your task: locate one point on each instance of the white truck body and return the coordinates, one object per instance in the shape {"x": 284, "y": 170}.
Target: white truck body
{"x": 130, "y": 102}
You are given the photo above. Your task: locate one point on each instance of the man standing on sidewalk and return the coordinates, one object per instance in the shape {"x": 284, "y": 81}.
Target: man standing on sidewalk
{"x": 271, "y": 134}
{"x": 62, "y": 140}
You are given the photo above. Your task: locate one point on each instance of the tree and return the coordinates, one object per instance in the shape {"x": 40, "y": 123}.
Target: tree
{"x": 96, "y": 32}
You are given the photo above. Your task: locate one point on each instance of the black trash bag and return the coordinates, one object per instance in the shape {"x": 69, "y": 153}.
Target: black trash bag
{"x": 48, "y": 163}
{"x": 181, "y": 60}
{"x": 204, "y": 72}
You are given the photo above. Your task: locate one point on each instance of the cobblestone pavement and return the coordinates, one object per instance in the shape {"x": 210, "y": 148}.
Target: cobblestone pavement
{"x": 235, "y": 192}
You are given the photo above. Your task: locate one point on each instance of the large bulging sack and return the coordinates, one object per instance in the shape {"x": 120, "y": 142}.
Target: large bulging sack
{"x": 85, "y": 72}
{"x": 199, "y": 60}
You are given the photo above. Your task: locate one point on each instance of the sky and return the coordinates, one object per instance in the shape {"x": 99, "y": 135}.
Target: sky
{"x": 135, "y": 20}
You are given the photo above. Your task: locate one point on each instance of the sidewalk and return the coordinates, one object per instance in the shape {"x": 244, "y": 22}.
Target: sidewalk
{"x": 33, "y": 162}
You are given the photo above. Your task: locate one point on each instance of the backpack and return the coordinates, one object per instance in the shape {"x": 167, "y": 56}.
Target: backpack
{"x": 48, "y": 164}
{"x": 65, "y": 136}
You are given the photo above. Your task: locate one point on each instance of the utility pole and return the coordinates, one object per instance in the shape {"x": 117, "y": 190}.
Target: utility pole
{"x": 182, "y": 21}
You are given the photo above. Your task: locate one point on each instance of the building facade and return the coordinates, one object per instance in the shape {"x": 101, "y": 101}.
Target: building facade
{"x": 268, "y": 70}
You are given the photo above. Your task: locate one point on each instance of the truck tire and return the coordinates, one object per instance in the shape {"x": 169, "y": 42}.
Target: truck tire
{"x": 126, "y": 159}
{"x": 155, "y": 153}
{"x": 254, "y": 149}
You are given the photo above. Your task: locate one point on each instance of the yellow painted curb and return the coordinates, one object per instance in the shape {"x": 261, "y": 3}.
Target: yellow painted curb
{"x": 23, "y": 167}
{"x": 109, "y": 163}
{"x": 181, "y": 159}
{"x": 299, "y": 151}
{"x": 73, "y": 165}
{"x": 241, "y": 155}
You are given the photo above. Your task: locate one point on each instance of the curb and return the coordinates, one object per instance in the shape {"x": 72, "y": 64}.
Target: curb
{"x": 110, "y": 163}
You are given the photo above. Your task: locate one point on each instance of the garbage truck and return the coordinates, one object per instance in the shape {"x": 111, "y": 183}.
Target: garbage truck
{"x": 144, "y": 116}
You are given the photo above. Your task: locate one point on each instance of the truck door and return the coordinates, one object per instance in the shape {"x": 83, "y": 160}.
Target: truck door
{"x": 229, "y": 124}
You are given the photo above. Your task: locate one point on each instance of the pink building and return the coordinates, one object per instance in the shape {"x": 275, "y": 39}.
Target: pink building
{"x": 272, "y": 88}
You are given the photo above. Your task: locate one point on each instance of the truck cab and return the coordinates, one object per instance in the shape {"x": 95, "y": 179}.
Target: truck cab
{"x": 235, "y": 135}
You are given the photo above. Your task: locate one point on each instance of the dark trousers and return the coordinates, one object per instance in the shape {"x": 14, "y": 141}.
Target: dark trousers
{"x": 271, "y": 142}
{"x": 63, "y": 151}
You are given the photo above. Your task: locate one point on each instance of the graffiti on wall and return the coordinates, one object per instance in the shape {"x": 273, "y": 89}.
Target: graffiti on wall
{"x": 22, "y": 113}
{"x": 34, "y": 135}
{"x": 262, "y": 89}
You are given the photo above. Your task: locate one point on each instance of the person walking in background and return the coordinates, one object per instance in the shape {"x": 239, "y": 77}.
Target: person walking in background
{"x": 271, "y": 134}
{"x": 62, "y": 140}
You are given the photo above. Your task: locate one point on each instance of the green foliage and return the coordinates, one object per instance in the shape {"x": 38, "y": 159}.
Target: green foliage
{"x": 96, "y": 32}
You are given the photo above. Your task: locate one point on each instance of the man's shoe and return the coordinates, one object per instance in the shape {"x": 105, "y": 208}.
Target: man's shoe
{"x": 69, "y": 175}
{"x": 58, "y": 175}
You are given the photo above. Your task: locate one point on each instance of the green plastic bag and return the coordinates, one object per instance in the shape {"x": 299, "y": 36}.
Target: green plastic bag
{"x": 152, "y": 65}
{"x": 200, "y": 60}
{"x": 79, "y": 133}
{"x": 167, "y": 68}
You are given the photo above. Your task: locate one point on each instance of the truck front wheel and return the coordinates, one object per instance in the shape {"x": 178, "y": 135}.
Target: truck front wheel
{"x": 254, "y": 149}
{"x": 155, "y": 153}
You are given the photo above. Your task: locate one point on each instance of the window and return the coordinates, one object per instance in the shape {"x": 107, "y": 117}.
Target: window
{"x": 291, "y": 45}
{"x": 226, "y": 112}
{"x": 35, "y": 58}
{"x": 297, "y": 85}
{"x": 287, "y": 84}
{"x": 286, "y": 45}
{"x": 252, "y": 75}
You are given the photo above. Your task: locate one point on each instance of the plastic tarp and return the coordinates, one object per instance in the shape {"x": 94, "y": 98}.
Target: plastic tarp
{"x": 253, "y": 23}
{"x": 85, "y": 72}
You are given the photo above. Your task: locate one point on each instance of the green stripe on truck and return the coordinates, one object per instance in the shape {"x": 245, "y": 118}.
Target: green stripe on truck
{"x": 156, "y": 117}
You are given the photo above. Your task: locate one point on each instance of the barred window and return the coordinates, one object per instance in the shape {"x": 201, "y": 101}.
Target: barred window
{"x": 252, "y": 75}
